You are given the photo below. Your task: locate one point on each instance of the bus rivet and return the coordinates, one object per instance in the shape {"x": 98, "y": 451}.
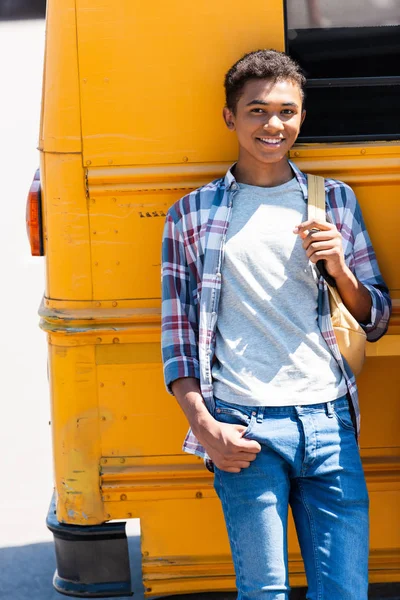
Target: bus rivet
{"x": 88, "y": 162}
{"x": 101, "y": 384}
{"x": 297, "y": 153}
{"x": 115, "y": 303}
{"x": 199, "y": 495}
{"x": 123, "y": 496}
{"x": 116, "y": 340}
{"x": 185, "y": 159}
{"x": 99, "y": 340}
{"x": 122, "y": 460}
{"x": 363, "y": 151}
{"x": 98, "y": 303}
{"x": 129, "y": 515}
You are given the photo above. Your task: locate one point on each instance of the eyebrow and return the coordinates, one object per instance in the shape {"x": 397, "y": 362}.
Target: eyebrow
{"x": 263, "y": 103}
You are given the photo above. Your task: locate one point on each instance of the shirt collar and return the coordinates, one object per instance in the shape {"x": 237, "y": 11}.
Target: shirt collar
{"x": 301, "y": 178}
{"x": 229, "y": 180}
{"x": 231, "y": 183}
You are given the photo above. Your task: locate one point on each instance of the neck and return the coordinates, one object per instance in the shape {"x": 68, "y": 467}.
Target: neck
{"x": 263, "y": 175}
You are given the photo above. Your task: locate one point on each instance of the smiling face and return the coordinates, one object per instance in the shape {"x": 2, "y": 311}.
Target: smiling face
{"x": 267, "y": 122}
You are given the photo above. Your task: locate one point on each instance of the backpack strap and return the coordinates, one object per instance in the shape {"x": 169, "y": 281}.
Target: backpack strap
{"x": 316, "y": 210}
{"x": 316, "y": 197}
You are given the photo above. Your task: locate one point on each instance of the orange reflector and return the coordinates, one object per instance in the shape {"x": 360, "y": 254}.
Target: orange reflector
{"x": 34, "y": 217}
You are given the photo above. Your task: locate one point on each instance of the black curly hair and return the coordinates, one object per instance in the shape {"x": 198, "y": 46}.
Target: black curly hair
{"x": 261, "y": 64}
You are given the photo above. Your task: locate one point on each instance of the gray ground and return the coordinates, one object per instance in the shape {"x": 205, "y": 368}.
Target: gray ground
{"x": 27, "y": 558}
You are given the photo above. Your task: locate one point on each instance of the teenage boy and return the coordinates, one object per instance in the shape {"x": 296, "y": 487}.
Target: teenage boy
{"x": 249, "y": 351}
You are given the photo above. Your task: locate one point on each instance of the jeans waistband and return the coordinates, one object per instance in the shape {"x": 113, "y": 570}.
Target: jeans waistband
{"x": 326, "y": 407}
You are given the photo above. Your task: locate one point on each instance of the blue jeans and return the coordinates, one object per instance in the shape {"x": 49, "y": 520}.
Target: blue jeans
{"x": 309, "y": 460}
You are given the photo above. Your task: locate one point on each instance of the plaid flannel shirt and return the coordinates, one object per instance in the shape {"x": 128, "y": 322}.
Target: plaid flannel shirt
{"x": 192, "y": 258}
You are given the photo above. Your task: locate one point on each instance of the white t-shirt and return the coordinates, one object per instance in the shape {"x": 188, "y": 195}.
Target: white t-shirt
{"x": 269, "y": 348}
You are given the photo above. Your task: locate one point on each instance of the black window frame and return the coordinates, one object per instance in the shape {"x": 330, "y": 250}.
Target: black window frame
{"x": 380, "y": 83}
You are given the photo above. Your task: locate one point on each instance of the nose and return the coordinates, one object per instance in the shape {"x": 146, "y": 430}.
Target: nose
{"x": 274, "y": 123}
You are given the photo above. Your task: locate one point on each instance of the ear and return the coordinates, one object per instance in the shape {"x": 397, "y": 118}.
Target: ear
{"x": 229, "y": 118}
{"x": 303, "y": 116}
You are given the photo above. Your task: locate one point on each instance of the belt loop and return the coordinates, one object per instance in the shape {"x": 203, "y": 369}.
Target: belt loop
{"x": 260, "y": 414}
{"x": 329, "y": 409}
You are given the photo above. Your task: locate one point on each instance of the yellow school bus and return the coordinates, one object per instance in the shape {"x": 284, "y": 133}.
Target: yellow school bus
{"x": 131, "y": 121}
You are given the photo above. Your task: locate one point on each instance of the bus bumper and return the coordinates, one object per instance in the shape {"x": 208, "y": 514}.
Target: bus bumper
{"x": 92, "y": 561}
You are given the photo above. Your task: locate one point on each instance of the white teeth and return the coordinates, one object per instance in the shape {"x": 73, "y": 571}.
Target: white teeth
{"x": 271, "y": 140}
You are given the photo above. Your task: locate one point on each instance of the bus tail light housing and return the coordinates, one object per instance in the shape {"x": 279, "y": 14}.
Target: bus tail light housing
{"x": 34, "y": 217}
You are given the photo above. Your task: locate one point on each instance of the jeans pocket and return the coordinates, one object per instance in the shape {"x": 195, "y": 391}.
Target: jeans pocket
{"x": 234, "y": 414}
{"x": 343, "y": 417}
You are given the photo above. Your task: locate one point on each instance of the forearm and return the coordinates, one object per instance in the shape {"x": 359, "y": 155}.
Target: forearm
{"x": 187, "y": 392}
{"x": 355, "y": 296}
{"x": 224, "y": 443}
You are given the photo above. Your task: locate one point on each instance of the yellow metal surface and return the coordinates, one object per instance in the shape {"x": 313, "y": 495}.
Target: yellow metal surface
{"x": 151, "y": 79}
{"x": 133, "y": 461}
{"x": 76, "y": 434}
{"x": 131, "y": 121}
{"x": 60, "y": 128}
{"x": 67, "y": 231}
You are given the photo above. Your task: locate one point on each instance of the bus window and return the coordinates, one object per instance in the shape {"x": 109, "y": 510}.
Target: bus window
{"x": 350, "y": 56}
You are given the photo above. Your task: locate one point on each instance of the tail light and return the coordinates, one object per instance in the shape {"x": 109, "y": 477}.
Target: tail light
{"x": 34, "y": 217}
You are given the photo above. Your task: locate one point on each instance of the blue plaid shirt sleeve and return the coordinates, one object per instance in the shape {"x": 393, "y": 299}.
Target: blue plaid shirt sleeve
{"x": 367, "y": 272}
{"x": 179, "y": 327}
